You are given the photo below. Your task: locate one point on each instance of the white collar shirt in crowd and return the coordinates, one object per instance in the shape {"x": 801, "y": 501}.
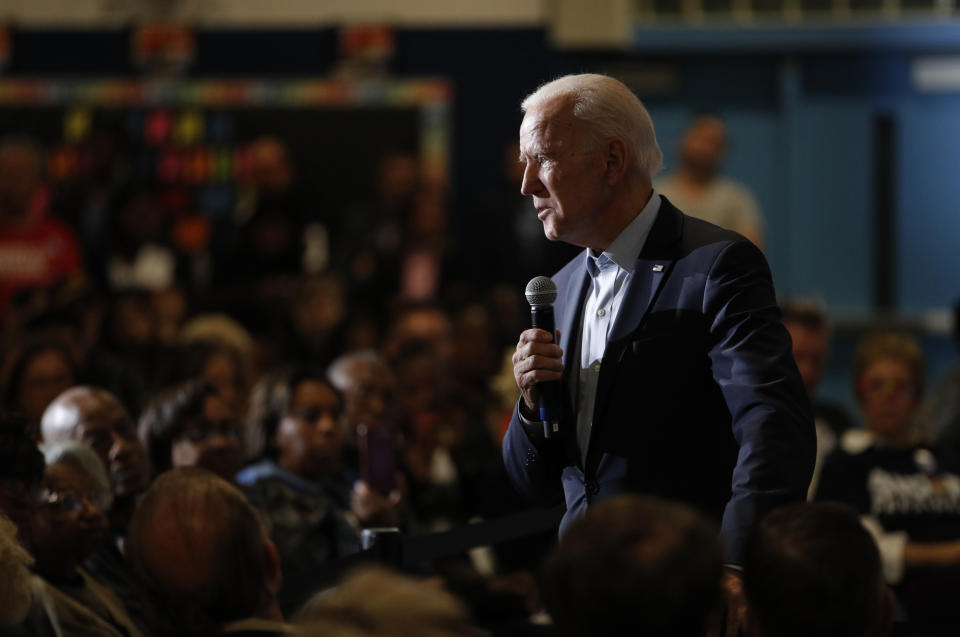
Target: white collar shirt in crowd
{"x": 610, "y": 275}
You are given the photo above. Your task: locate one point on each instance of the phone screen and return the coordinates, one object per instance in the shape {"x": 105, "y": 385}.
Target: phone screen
{"x": 378, "y": 456}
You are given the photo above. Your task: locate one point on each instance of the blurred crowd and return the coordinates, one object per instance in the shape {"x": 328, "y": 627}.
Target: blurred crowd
{"x": 199, "y": 420}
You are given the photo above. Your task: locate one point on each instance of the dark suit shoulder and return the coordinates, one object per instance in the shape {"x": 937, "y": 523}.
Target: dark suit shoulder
{"x": 675, "y": 235}
{"x": 699, "y": 232}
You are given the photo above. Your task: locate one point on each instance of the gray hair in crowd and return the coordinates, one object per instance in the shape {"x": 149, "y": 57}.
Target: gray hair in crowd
{"x": 609, "y": 109}
{"x": 376, "y": 602}
{"x": 15, "y": 589}
{"x": 337, "y": 372}
{"x": 80, "y": 456}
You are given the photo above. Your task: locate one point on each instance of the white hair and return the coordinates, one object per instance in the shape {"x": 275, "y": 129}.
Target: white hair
{"x": 337, "y": 372}
{"x": 15, "y": 595}
{"x": 82, "y": 457}
{"x": 609, "y": 109}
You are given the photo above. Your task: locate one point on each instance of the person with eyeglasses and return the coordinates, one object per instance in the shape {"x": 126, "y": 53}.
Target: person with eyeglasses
{"x": 906, "y": 490}
{"x": 70, "y": 524}
{"x": 97, "y": 419}
{"x": 192, "y": 425}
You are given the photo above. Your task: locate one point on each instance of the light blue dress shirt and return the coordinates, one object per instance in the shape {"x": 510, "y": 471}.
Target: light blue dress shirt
{"x": 611, "y": 273}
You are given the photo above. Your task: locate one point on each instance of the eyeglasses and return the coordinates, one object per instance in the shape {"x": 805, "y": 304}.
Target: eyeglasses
{"x": 71, "y": 501}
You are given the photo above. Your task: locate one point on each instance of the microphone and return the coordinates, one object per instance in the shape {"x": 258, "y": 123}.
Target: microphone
{"x": 541, "y": 292}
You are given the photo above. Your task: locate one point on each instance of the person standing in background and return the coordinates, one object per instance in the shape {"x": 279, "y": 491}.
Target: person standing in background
{"x": 699, "y": 190}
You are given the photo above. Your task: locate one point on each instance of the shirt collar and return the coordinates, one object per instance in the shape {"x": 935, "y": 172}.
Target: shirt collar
{"x": 627, "y": 246}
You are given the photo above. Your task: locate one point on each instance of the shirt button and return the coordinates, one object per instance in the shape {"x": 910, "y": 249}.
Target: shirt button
{"x": 592, "y": 488}
{"x": 601, "y": 312}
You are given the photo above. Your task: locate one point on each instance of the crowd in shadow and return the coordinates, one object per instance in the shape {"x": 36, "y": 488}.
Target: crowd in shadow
{"x": 199, "y": 421}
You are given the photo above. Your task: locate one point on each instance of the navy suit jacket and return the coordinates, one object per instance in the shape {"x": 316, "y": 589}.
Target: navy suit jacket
{"x": 698, "y": 398}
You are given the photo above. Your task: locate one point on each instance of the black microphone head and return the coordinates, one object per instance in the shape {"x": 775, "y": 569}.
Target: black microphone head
{"x": 541, "y": 292}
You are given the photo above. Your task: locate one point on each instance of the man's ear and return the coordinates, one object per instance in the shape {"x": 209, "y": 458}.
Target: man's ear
{"x": 616, "y": 161}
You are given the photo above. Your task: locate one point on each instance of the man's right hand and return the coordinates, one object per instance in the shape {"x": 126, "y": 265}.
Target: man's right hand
{"x": 536, "y": 360}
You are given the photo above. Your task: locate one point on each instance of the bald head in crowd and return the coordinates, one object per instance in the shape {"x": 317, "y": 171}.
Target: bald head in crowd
{"x": 97, "y": 419}
{"x": 203, "y": 553}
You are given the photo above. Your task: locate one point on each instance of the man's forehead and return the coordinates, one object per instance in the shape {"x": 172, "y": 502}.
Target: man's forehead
{"x": 368, "y": 372}
{"x": 102, "y": 415}
{"x": 552, "y": 123}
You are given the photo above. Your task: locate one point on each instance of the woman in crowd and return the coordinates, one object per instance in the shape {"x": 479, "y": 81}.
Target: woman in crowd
{"x": 69, "y": 525}
{"x": 192, "y": 425}
{"x": 907, "y": 492}
{"x": 34, "y": 375}
{"x": 313, "y": 505}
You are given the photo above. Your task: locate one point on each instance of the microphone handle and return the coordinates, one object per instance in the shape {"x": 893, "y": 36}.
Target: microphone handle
{"x": 548, "y": 400}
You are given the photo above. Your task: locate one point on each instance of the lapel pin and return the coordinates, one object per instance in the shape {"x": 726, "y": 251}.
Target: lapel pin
{"x": 658, "y": 268}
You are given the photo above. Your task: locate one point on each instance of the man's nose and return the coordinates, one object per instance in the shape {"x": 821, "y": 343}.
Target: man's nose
{"x": 531, "y": 181}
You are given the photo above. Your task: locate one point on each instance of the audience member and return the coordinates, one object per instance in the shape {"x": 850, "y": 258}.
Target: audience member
{"x": 21, "y": 475}
{"x": 170, "y": 308}
{"x": 907, "y": 491}
{"x": 137, "y": 252}
{"x": 375, "y": 602}
{"x": 15, "y": 590}
{"x": 421, "y": 325}
{"x": 369, "y": 396}
{"x": 215, "y": 331}
{"x": 96, "y": 418}
{"x": 219, "y": 364}
{"x": 129, "y": 336}
{"x": 316, "y": 330}
{"x": 698, "y": 189}
{"x": 70, "y": 526}
{"x": 190, "y": 425}
{"x": 373, "y": 235}
{"x": 635, "y": 565}
{"x": 299, "y": 485}
{"x": 810, "y": 332}
{"x": 34, "y": 374}
{"x": 425, "y": 255}
{"x": 812, "y": 569}
{"x": 74, "y": 317}
{"x": 203, "y": 555}
{"x": 35, "y": 249}
{"x": 282, "y": 227}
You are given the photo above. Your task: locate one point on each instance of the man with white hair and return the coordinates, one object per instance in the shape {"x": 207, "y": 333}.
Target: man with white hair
{"x": 677, "y": 375}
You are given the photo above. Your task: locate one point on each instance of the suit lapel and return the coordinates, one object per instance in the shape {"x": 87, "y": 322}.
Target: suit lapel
{"x": 653, "y": 267}
{"x": 572, "y": 290}
{"x": 571, "y": 296}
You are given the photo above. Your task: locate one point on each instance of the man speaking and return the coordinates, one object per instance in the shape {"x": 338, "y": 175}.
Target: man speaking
{"x": 678, "y": 378}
